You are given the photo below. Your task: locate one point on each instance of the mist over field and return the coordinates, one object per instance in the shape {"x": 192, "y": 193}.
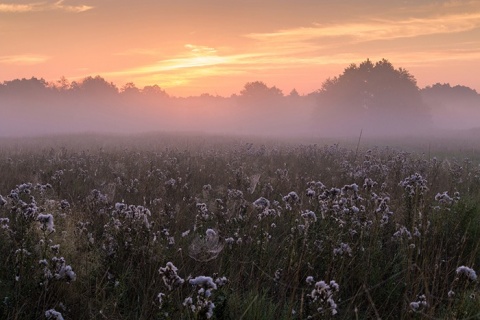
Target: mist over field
{"x": 373, "y": 98}
{"x": 222, "y": 160}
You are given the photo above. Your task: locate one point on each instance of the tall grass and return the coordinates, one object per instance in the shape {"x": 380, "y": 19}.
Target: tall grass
{"x": 235, "y": 230}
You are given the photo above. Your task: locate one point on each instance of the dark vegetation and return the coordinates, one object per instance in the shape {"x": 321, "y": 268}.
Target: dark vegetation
{"x": 156, "y": 227}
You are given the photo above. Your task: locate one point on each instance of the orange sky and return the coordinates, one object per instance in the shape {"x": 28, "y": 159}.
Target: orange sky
{"x": 189, "y": 47}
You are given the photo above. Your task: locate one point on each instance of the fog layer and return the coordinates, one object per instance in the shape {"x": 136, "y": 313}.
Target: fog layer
{"x": 375, "y": 99}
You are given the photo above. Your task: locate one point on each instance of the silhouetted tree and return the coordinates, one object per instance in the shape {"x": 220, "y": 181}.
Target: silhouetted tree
{"x": 452, "y": 107}
{"x": 130, "y": 89}
{"x": 294, "y": 93}
{"x": 95, "y": 87}
{"x": 62, "y": 84}
{"x": 258, "y": 90}
{"x": 375, "y": 95}
{"x": 154, "y": 90}
{"x": 25, "y": 87}
{"x": 445, "y": 93}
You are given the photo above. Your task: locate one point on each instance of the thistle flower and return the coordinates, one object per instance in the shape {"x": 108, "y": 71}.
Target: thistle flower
{"x": 170, "y": 277}
{"x": 221, "y": 281}
{"x": 368, "y": 184}
{"x": 160, "y": 298}
{"x": 62, "y": 270}
{"x": 55, "y": 248}
{"x": 261, "y": 204}
{"x": 120, "y": 206}
{"x": 468, "y": 272}
{"x": 64, "y": 205}
{"x": 421, "y": 303}
{"x": 348, "y": 187}
{"x": 203, "y": 210}
{"x": 414, "y": 184}
{"x": 310, "y": 193}
{"x": 278, "y": 274}
{"x": 46, "y": 221}
{"x": 171, "y": 183}
{"x": 22, "y": 252}
{"x": 188, "y": 302}
{"x": 322, "y": 295}
{"x": 203, "y": 303}
{"x": 234, "y": 194}
{"x": 4, "y": 222}
{"x": 308, "y": 216}
{"x": 53, "y": 314}
{"x": 343, "y": 249}
{"x": 211, "y": 234}
{"x": 2, "y": 201}
{"x": 25, "y": 188}
{"x": 444, "y": 198}
{"x": 401, "y": 232}
{"x": 291, "y": 197}
{"x": 96, "y": 198}
{"x": 203, "y": 281}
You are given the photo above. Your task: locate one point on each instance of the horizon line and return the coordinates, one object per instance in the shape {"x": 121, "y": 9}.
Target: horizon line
{"x": 54, "y": 84}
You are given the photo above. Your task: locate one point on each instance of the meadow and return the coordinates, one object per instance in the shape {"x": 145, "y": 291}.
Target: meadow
{"x": 183, "y": 227}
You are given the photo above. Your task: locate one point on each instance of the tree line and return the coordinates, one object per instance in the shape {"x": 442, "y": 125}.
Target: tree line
{"x": 370, "y": 94}
{"x": 365, "y": 86}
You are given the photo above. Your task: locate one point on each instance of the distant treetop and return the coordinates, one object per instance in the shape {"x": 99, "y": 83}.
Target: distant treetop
{"x": 375, "y": 94}
{"x": 447, "y": 90}
{"x": 259, "y": 90}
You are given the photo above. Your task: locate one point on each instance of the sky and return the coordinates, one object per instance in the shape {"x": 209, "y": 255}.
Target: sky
{"x": 190, "y": 47}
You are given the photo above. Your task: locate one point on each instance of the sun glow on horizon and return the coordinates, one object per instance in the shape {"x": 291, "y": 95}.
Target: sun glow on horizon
{"x": 210, "y": 51}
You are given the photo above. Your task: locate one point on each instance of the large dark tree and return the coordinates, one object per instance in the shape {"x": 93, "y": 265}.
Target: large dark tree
{"x": 375, "y": 95}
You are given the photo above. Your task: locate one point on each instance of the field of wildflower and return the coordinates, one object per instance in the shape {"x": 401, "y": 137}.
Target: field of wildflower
{"x": 180, "y": 228}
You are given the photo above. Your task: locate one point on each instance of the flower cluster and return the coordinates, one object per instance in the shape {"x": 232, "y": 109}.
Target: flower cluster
{"x": 58, "y": 270}
{"x": 46, "y": 221}
{"x": 468, "y": 272}
{"x": 52, "y": 314}
{"x": 202, "y": 303}
{"x": 170, "y": 278}
{"x": 322, "y": 296}
{"x": 420, "y": 304}
{"x": 414, "y": 185}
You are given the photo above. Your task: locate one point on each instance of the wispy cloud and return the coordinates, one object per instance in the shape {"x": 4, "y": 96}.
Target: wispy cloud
{"x": 354, "y": 41}
{"x": 42, "y": 6}
{"x": 312, "y": 46}
{"x": 5, "y": 7}
{"x": 194, "y": 57}
{"x": 200, "y": 50}
{"x": 59, "y": 5}
{"x": 25, "y": 59}
{"x": 375, "y": 29}
{"x": 200, "y": 62}
{"x": 195, "y": 62}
